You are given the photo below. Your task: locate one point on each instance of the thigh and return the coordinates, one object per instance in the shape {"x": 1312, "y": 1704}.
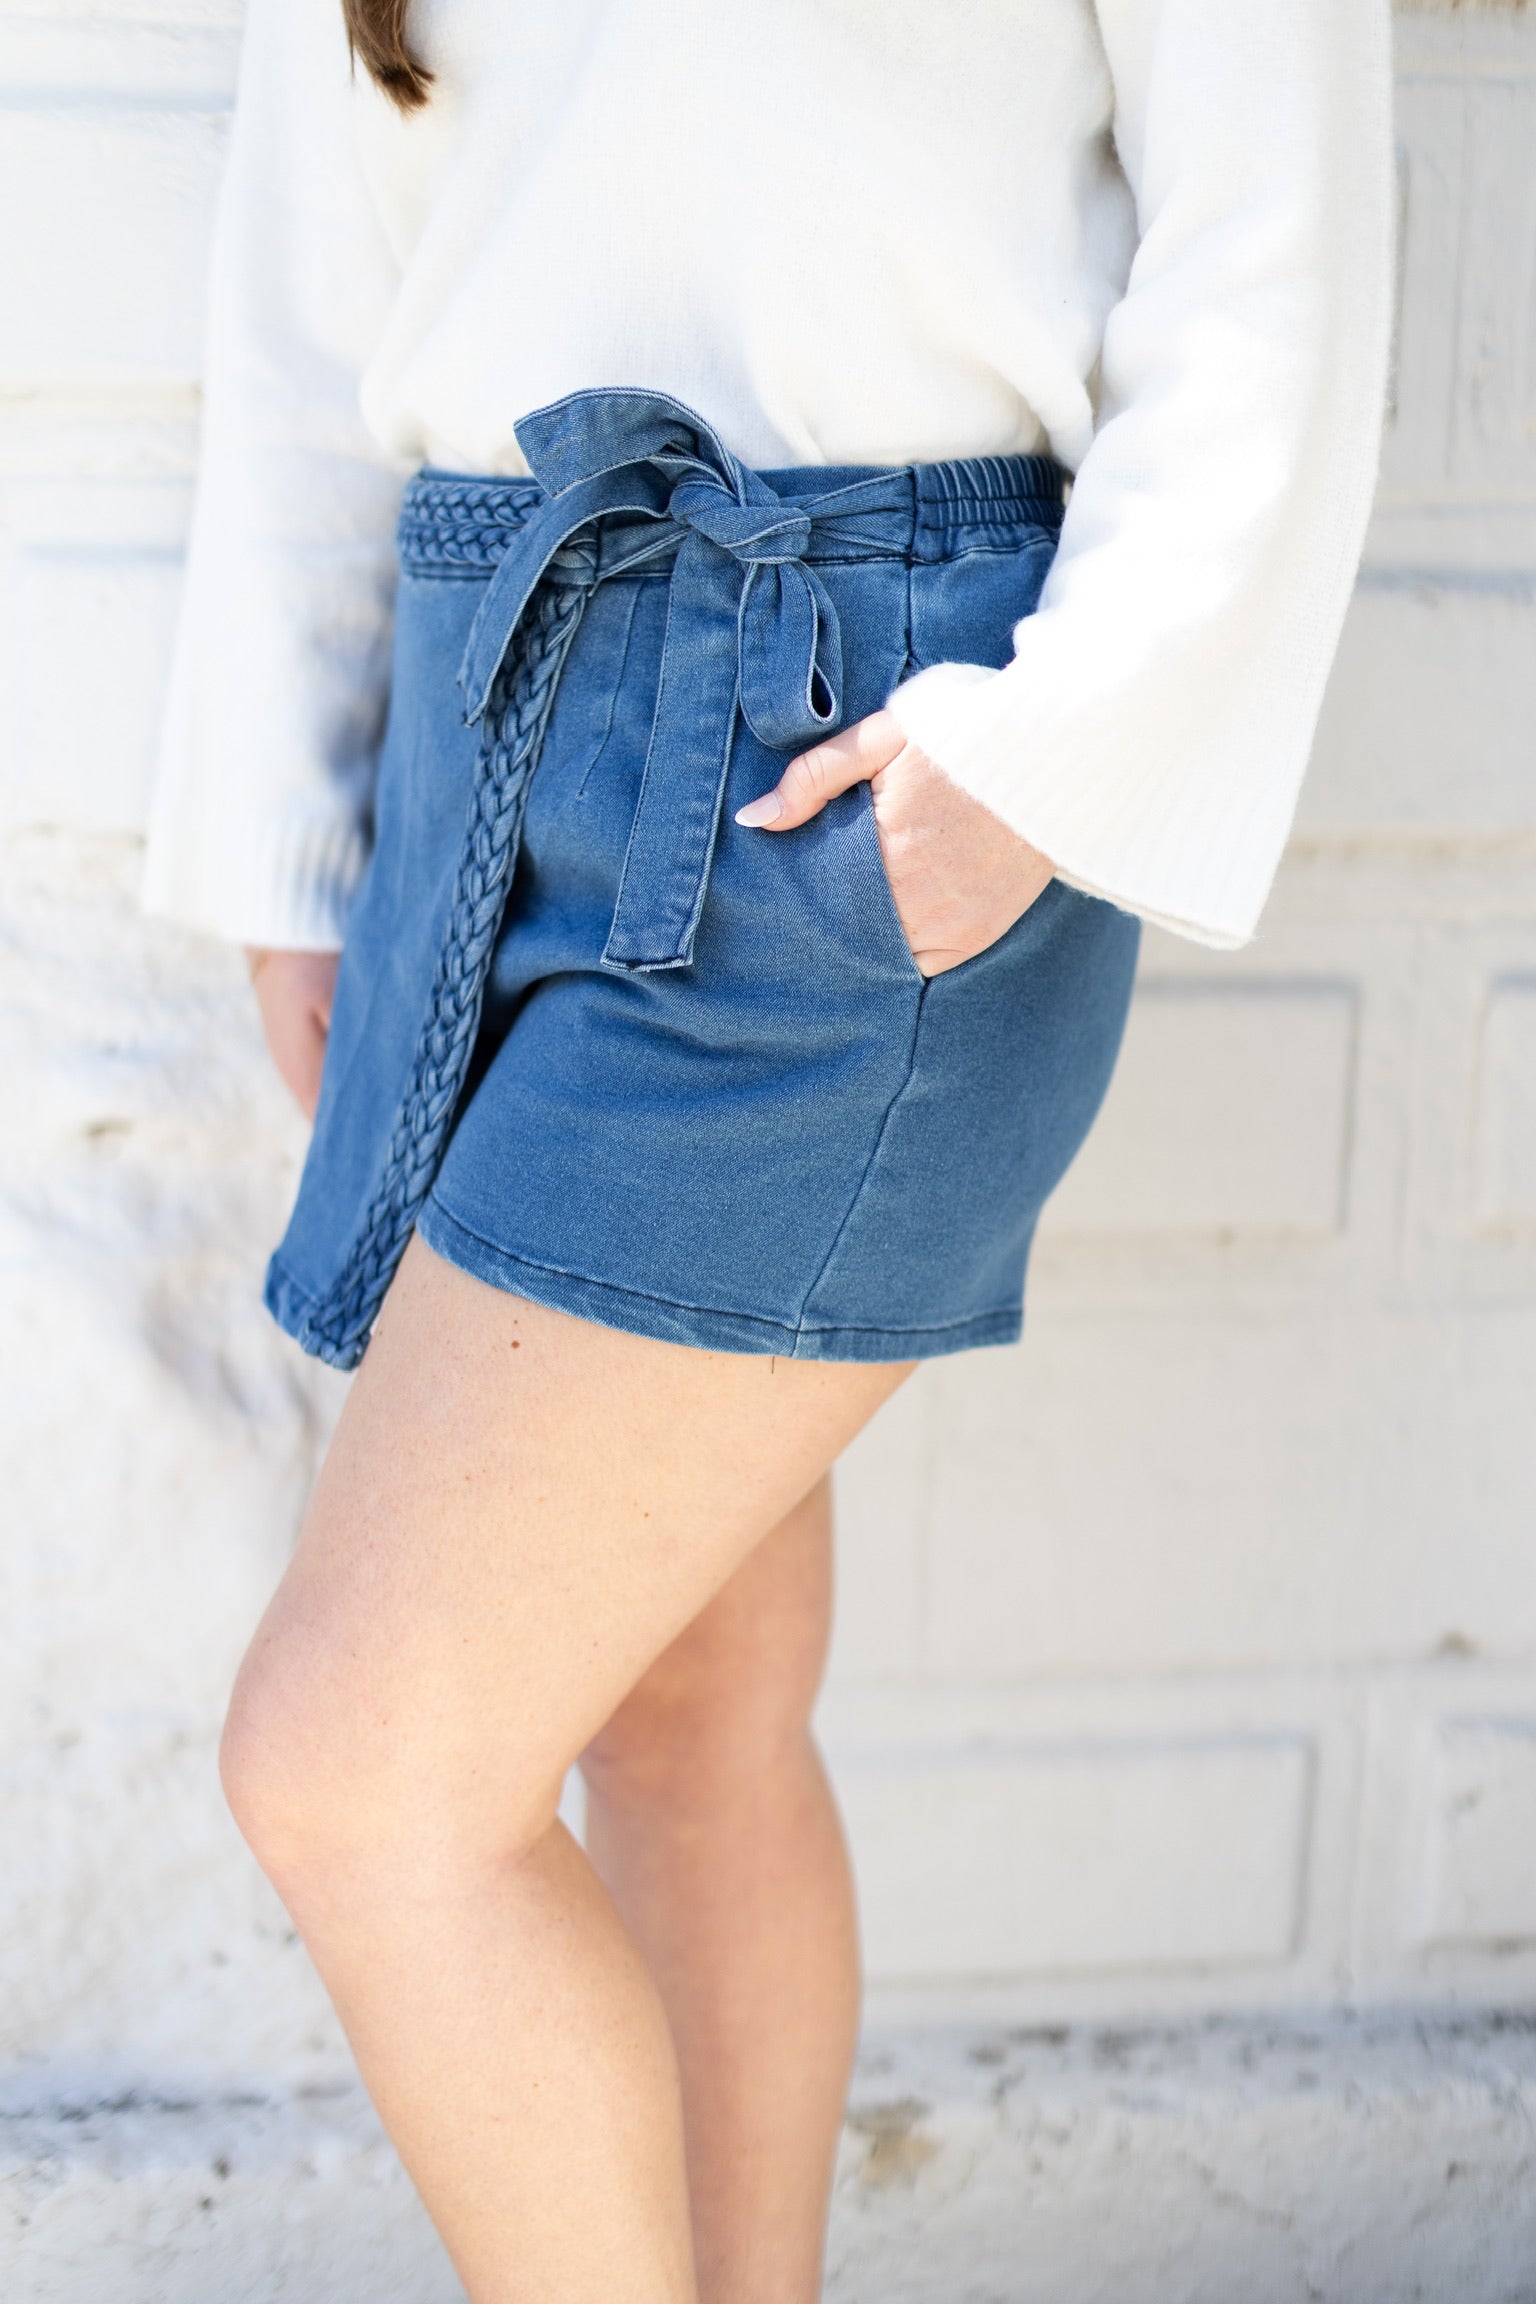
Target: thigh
{"x": 519, "y": 1513}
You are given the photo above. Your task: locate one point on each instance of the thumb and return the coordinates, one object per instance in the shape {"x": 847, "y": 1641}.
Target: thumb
{"x": 815, "y": 777}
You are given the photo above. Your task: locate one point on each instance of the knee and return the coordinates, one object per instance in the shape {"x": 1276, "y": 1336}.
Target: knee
{"x": 723, "y": 1716}
{"x": 331, "y": 1783}
{"x": 682, "y": 1744}
{"x": 283, "y": 1778}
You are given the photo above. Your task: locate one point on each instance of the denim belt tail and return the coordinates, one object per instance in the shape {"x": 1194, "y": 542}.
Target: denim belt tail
{"x": 750, "y": 629}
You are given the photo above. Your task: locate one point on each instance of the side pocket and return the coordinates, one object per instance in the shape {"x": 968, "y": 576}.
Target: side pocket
{"x": 871, "y": 861}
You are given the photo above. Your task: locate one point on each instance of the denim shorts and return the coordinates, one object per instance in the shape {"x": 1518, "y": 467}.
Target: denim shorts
{"x": 607, "y": 1049}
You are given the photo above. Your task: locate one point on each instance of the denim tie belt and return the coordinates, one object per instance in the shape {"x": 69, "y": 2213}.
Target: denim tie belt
{"x": 750, "y": 626}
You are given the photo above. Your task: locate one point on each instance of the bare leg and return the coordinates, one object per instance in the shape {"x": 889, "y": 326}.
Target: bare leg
{"x": 520, "y": 1511}
{"x": 711, "y": 1820}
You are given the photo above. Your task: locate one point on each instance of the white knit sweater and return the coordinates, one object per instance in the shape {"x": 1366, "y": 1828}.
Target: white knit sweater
{"x": 1153, "y": 235}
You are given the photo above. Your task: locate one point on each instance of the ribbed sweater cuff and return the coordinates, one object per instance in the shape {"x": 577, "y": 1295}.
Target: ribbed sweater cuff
{"x": 1202, "y": 880}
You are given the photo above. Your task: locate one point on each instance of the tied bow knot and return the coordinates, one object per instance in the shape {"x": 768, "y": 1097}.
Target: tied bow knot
{"x": 751, "y": 628}
{"x": 770, "y": 530}
{"x": 789, "y": 646}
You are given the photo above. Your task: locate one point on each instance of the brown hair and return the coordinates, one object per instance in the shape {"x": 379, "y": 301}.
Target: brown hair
{"x": 376, "y": 34}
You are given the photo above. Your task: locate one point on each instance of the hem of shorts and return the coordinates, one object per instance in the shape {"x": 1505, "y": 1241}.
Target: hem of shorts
{"x": 640, "y": 1313}
{"x": 293, "y": 1306}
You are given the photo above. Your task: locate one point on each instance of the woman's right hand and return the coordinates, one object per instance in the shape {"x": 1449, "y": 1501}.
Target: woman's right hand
{"x": 294, "y": 991}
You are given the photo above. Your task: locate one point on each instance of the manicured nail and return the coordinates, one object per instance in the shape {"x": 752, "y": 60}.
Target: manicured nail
{"x": 757, "y": 813}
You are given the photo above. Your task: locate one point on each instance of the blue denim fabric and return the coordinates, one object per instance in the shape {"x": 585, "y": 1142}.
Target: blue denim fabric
{"x": 607, "y": 1048}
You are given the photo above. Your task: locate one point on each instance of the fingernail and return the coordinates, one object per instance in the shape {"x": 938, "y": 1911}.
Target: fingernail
{"x": 757, "y": 813}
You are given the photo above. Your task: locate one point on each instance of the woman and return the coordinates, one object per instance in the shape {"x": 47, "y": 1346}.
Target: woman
{"x": 772, "y": 788}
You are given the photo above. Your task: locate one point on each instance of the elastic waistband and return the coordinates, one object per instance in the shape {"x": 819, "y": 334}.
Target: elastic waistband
{"x": 455, "y": 523}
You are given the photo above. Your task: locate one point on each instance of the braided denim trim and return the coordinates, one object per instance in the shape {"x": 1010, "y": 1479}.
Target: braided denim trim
{"x": 451, "y": 525}
{"x": 337, "y": 1326}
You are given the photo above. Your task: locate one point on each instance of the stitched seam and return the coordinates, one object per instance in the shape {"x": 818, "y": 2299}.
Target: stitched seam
{"x": 438, "y": 1206}
{"x": 921, "y": 1328}
{"x": 614, "y": 693}
{"x": 428, "y": 571}
{"x": 614, "y": 1287}
{"x": 874, "y": 1153}
{"x": 446, "y": 572}
{"x": 1002, "y": 506}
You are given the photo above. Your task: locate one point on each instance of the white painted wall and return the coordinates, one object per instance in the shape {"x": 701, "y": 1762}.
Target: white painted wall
{"x": 1187, "y": 1655}
{"x": 1189, "y": 1652}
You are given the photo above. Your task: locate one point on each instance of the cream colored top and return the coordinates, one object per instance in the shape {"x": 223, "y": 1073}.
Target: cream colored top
{"x": 1151, "y": 235}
